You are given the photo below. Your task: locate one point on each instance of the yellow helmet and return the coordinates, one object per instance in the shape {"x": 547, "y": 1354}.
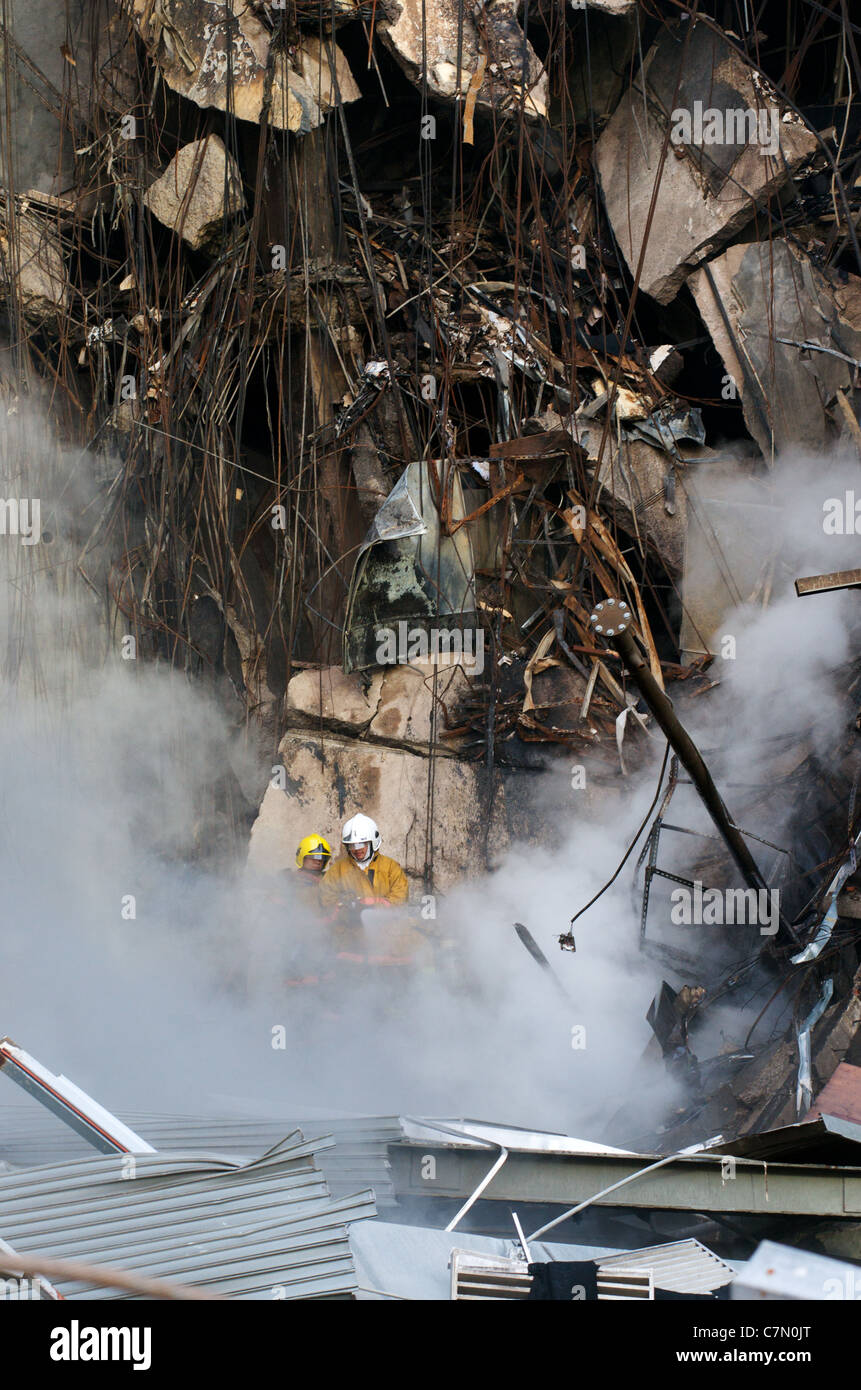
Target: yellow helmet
{"x": 315, "y": 847}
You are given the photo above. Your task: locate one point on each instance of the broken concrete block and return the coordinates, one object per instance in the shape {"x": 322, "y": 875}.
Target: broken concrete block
{"x": 836, "y": 1032}
{"x": 198, "y": 189}
{"x": 718, "y": 166}
{"x": 32, "y": 267}
{"x": 637, "y": 489}
{"x": 750, "y": 299}
{"x": 758, "y": 1083}
{"x": 396, "y": 706}
{"x": 218, "y": 55}
{"x": 409, "y": 702}
{"x": 328, "y": 696}
{"x": 331, "y": 779}
{"x": 442, "y": 36}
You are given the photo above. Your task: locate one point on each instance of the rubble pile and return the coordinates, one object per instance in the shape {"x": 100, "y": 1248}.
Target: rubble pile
{"x": 406, "y": 320}
{"x": 567, "y": 269}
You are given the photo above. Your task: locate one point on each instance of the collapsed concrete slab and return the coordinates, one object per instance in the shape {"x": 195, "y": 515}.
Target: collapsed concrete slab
{"x": 199, "y": 189}
{"x": 354, "y": 744}
{"x": 219, "y": 55}
{"x": 487, "y": 55}
{"x": 328, "y": 779}
{"x": 762, "y": 302}
{"x": 837, "y": 1032}
{"x": 731, "y": 147}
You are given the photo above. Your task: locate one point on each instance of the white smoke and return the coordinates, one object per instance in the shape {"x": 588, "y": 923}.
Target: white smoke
{"x": 104, "y": 767}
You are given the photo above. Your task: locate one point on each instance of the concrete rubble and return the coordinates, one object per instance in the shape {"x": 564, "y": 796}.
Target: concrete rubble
{"x": 485, "y": 54}
{"x": 708, "y": 191}
{"x": 787, "y": 337}
{"x": 513, "y": 330}
{"x": 32, "y": 268}
{"x": 374, "y": 744}
{"x": 199, "y": 192}
{"x": 218, "y": 56}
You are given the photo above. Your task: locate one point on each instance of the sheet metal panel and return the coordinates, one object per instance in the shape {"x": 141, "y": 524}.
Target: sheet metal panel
{"x": 358, "y": 1159}
{"x": 264, "y": 1229}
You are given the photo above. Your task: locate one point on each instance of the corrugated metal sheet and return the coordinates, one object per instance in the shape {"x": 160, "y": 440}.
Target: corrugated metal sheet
{"x": 684, "y": 1266}
{"x": 265, "y": 1229}
{"x": 30, "y": 1135}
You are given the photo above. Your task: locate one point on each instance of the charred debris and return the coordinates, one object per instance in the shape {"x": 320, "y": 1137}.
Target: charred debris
{"x": 441, "y": 317}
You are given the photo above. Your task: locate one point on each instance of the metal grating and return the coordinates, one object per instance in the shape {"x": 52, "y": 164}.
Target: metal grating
{"x": 480, "y": 1277}
{"x": 632, "y": 1283}
{"x": 684, "y": 1266}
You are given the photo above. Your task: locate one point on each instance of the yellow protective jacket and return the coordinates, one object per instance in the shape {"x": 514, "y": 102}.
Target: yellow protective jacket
{"x": 392, "y": 942}
{"x": 305, "y": 889}
{"x": 345, "y": 882}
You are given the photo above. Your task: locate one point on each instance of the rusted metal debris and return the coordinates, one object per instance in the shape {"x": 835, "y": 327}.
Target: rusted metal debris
{"x": 823, "y": 583}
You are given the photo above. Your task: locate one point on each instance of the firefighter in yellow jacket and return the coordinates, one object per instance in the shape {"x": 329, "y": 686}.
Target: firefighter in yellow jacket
{"x": 362, "y": 874}
{"x": 364, "y": 878}
{"x": 300, "y": 901}
{"x": 313, "y": 857}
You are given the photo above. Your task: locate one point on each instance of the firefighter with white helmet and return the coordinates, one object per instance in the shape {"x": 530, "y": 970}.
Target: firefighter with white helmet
{"x": 374, "y": 934}
{"x": 362, "y": 874}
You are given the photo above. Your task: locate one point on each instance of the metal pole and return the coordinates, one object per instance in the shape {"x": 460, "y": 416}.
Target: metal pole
{"x": 612, "y": 619}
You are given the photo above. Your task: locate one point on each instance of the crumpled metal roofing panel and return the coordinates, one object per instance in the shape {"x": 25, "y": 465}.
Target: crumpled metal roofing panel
{"x": 264, "y": 1229}
{"x": 359, "y": 1158}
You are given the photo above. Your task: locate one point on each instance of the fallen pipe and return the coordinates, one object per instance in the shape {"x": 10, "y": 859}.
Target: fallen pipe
{"x": 612, "y": 619}
{"x": 528, "y": 940}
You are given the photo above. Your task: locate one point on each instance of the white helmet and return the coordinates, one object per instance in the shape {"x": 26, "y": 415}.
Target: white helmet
{"x": 361, "y": 830}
